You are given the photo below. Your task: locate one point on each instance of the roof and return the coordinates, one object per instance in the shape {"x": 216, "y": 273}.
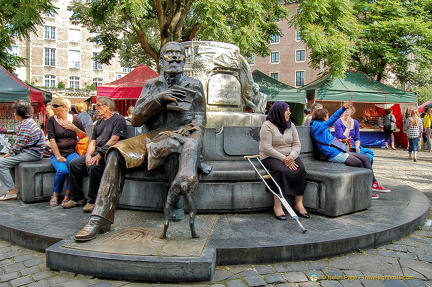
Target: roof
{"x": 360, "y": 88}
{"x": 129, "y": 86}
{"x": 277, "y": 91}
{"x": 12, "y": 89}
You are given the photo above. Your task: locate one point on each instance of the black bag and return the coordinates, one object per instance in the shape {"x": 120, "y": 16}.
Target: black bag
{"x": 335, "y": 143}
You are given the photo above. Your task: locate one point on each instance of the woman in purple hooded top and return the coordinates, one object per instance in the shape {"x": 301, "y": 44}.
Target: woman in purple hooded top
{"x": 279, "y": 151}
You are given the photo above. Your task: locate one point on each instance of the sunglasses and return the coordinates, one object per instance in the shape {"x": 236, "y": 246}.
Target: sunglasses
{"x": 57, "y": 106}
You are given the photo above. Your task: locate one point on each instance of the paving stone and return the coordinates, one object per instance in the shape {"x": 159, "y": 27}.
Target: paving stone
{"x": 394, "y": 283}
{"x": 314, "y": 273}
{"x": 42, "y": 283}
{"x": 9, "y": 276}
{"x": 415, "y": 283}
{"x": 372, "y": 283}
{"x": 299, "y": 266}
{"x": 22, "y": 281}
{"x": 309, "y": 284}
{"x": 282, "y": 267}
{"x": 101, "y": 284}
{"x": 32, "y": 262}
{"x": 405, "y": 255}
{"x": 296, "y": 277}
{"x": 330, "y": 283}
{"x": 384, "y": 252}
{"x": 248, "y": 273}
{"x": 14, "y": 267}
{"x": 22, "y": 258}
{"x": 264, "y": 269}
{"x": 28, "y": 271}
{"x": 315, "y": 266}
{"x": 41, "y": 275}
{"x": 350, "y": 283}
{"x": 6, "y": 262}
{"x": 222, "y": 274}
{"x": 353, "y": 273}
{"x": 333, "y": 275}
{"x": 255, "y": 281}
{"x": 289, "y": 285}
{"x": 396, "y": 247}
{"x": 274, "y": 278}
{"x": 426, "y": 258}
{"x": 236, "y": 283}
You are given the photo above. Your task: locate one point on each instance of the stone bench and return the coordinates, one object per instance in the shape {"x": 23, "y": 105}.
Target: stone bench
{"x": 232, "y": 185}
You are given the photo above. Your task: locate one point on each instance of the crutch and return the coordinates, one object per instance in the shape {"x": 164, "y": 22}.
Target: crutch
{"x": 280, "y": 195}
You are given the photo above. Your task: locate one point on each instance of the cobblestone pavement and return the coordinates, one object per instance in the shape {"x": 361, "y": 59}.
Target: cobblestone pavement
{"x": 406, "y": 262}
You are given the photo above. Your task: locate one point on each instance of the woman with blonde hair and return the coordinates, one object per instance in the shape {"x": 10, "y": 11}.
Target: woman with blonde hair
{"x": 81, "y": 108}
{"x": 62, "y": 130}
{"x": 427, "y": 127}
{"x": 413, "y": 128}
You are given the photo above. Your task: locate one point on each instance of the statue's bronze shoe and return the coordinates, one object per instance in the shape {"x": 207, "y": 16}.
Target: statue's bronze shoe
{"x": 95, "y": 225}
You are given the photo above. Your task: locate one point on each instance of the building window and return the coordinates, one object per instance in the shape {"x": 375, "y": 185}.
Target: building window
{"x": 51, "y": 14}
{"x": 74, "y": 59}
{"x": 275, "y": 39}
{"x": 74, "y": 35}
{"x": 275, "y": 76}
{"x": 50, "y": 32}
{"x": 74, "y": 82}
{"x": 50, "y": 81}
{"x": 300, "y": 55}
{"x": 274, "y": 57}
{"x": 300, "y": 76}
{"x": 97, "y": 81}
{"x": 14, "y": 51}
{"x": 126, "y": 69}
{"x": 50, "y": 59}
{"x": 96, "y": 64}
{"x": 298, "y": 35}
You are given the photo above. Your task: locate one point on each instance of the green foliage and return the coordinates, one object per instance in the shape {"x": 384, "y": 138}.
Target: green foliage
{"x": 376, "y": 37}
{"x": 61, "y": 85}
{"x": 329, "y": 29}
{"x": 18, "y": 18}
{"x": 422, "y": 84}
{"x": 137, "y": 29}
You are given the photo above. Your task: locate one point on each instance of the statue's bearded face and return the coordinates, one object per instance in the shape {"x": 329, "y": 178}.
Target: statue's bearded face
{"x": 172, "y": 59}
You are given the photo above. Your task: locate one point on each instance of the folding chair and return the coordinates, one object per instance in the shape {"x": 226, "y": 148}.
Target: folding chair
{"x": 264, "y": 178}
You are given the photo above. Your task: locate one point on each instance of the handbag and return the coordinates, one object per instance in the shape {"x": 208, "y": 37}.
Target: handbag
{"x": 336, "y": 144}
{"x": 393, "y": 126}
{"x": 82, "y": 145}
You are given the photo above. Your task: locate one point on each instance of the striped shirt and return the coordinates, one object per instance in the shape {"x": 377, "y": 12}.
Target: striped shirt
{"x": 30, "y": 139}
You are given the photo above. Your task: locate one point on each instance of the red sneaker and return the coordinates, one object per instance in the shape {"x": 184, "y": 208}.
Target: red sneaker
{"x": 375, "y": 196}
{"x": 378, "y": 187}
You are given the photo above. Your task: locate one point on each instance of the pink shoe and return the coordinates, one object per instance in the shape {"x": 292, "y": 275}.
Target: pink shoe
{"x": 378, "y": 187}
{"x": 375, "y": 196}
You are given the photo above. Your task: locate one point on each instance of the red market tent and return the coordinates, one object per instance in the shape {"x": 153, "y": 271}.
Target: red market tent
{"x": 129, "y": 86}
{"x": 12, "y": 89}
{"x": 422, "y": 108}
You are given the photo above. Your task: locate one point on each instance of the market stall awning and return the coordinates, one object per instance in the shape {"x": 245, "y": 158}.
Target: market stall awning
{"x": 359, "y": 87}
{"x": 277, "y": 91}
{"x": 423, "y": 107}
{"x": 129, "y": 86}
{"x": 12, "y": 89}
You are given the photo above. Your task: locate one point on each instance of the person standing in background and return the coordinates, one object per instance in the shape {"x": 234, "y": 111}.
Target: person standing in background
{"x": 427, "y": 127}
{"x": 389, "y": 122}
{"x": 413, "y": 128}
{"x": 314, "y": 107}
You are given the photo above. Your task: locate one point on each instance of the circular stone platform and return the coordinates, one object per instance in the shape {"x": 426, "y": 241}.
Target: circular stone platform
{"x": 133, "y": 250}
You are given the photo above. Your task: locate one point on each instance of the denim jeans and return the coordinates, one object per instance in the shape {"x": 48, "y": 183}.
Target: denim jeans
{"x": 10, "y": 162}
{"x": 413, "y": 145}
{"x": 62, "y": 172}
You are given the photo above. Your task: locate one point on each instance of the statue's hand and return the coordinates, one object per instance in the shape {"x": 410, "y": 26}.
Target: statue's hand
{"x": 186, "y": 130}
{"x": 171, "y": 96}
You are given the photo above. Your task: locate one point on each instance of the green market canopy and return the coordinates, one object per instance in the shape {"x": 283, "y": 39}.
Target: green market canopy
{"x": 277, "y": 91}
{"x": 12, "y": 89}
{"x": 356, "y": 86}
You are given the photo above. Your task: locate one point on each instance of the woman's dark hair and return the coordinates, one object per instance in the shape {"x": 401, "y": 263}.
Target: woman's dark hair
{"x": 319, "y": 114}
{"x": 388, "y": 111}
{"x": 23, "y": 109}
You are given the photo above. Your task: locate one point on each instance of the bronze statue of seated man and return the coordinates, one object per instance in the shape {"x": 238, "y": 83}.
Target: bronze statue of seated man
{"x": 172, "y": 111}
